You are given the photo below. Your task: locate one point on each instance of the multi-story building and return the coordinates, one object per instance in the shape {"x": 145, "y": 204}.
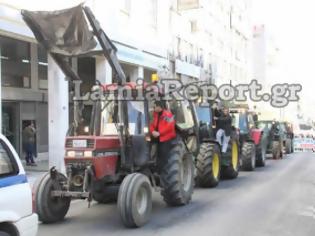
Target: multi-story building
{"x": 267, "y": 69}
{"x": 222, "y": 29}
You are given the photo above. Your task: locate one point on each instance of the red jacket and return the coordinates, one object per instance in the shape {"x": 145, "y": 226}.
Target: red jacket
{"x": 166, "y": 126}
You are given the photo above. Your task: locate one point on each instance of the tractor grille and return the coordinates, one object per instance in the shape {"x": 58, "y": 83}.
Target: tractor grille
{"x": 89, "y": 143}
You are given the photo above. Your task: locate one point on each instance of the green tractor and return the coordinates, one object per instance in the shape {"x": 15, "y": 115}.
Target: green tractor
{"x": 211, "y": 163}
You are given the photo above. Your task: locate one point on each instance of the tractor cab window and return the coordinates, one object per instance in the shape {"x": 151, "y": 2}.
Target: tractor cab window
{"x": 264, "y": 125}
{"x": 235, "y": 120}
{"x": 109, "y": 118}
{"x": 204, "y": 114}
{"x": 283, "y": 127}
{"x": 240, "y": 121}
{"x": 182, "y": 113}
{"x": 136, "y": 117}
{"x": 251, "y": 121}
{"x": 82, "y": 119}
{"x": 243, "y": 123}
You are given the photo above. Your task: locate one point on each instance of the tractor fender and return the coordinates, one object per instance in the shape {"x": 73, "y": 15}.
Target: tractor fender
{"x": 256, "y": 135}
{"x": 212, "y": 141}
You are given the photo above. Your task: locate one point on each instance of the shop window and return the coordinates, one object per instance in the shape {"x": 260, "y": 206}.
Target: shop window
{"x": 15, "y": 63}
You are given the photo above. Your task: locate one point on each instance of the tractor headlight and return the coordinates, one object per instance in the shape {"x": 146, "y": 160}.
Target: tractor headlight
{"x": 88, "y": 154}
{"x": 86, "y": 129}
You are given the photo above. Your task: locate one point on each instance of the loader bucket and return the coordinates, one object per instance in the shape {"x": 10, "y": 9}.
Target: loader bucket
{"x": 64, "y": 32}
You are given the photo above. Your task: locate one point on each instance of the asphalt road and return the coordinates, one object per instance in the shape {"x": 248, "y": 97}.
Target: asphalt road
{"x": 278, "y": 199}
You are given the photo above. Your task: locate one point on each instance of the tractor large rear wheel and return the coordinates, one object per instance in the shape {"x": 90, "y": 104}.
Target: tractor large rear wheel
{"x": 177, "y": 176}
{"x": 248, "y": 156}
{"x": 231, "y": 171}
{"x": 208, "y": 165}
{"x": 50, "y": 209}
{"x": 135, "y": 200}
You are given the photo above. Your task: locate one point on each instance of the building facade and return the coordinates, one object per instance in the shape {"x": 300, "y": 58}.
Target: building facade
{"x": 267, "y": 69}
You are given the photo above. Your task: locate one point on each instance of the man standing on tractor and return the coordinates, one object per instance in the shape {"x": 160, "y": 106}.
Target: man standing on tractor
{"x": 224, "y": 128}
{"x": 162, "y": 130}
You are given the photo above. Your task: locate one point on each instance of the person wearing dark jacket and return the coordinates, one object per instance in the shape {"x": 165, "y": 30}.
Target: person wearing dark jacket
{"x": 224, "y": 128}
{"x": 162, "y": 131}
{"x": 29, "y": 133}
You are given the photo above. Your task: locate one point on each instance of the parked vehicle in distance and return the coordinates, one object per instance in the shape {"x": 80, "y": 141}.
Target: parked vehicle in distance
{"x": 16, "y": 213}
{"x": 276, "y": 136}
{"x": 287, "y": 136}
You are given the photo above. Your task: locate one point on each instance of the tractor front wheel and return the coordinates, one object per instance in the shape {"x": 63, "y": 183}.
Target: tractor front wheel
{"x": 50, "y": 209}
{"x": 208, "y": 165}
{"x": 248, "y": 156}
{"x": 135, "y": 200}
{"x": 261, "y": 156}
{"x": 231, "y": 171}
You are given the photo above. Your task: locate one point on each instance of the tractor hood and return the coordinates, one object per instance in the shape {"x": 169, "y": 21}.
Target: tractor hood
{"x": 63, "y": 32}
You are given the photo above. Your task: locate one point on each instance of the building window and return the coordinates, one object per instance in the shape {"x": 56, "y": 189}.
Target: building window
{"x": 193, "y": 26}
{"x": 15, "y": 63}
{"x": 42, "y": 67}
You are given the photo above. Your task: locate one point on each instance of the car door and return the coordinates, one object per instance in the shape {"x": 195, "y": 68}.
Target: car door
{"x": 15, "y": 192}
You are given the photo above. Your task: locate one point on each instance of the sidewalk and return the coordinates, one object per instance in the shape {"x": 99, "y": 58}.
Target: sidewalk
{"x": 41, "y": 161}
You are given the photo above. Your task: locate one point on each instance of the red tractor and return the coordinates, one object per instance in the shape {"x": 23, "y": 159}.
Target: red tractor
{"x": 109, "y": 155}
{"x": 250, "y": 137}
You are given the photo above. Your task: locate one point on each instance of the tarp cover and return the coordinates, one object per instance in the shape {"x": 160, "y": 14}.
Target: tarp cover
{"x": 64, "y": 32}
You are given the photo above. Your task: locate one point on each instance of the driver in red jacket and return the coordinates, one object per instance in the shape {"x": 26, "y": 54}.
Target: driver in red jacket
{"x": 162, "y": 127}
{"x": 163, "y": 132}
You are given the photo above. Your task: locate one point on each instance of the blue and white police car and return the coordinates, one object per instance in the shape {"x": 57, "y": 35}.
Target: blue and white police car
{"x": 16, "y": 211}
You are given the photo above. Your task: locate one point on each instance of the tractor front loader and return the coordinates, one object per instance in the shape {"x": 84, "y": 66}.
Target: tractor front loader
{"x": 109, "y": 155}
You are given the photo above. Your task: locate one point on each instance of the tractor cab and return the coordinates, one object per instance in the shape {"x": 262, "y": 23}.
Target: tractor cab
{"x": 243, "y": 121}
{"x": 251, "y": 138}
{"x": 211, "y": 162}
{"x": 206, "y": 124}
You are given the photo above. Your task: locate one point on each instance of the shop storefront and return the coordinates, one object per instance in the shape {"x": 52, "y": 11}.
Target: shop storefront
{"x": 24, "y": 91}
